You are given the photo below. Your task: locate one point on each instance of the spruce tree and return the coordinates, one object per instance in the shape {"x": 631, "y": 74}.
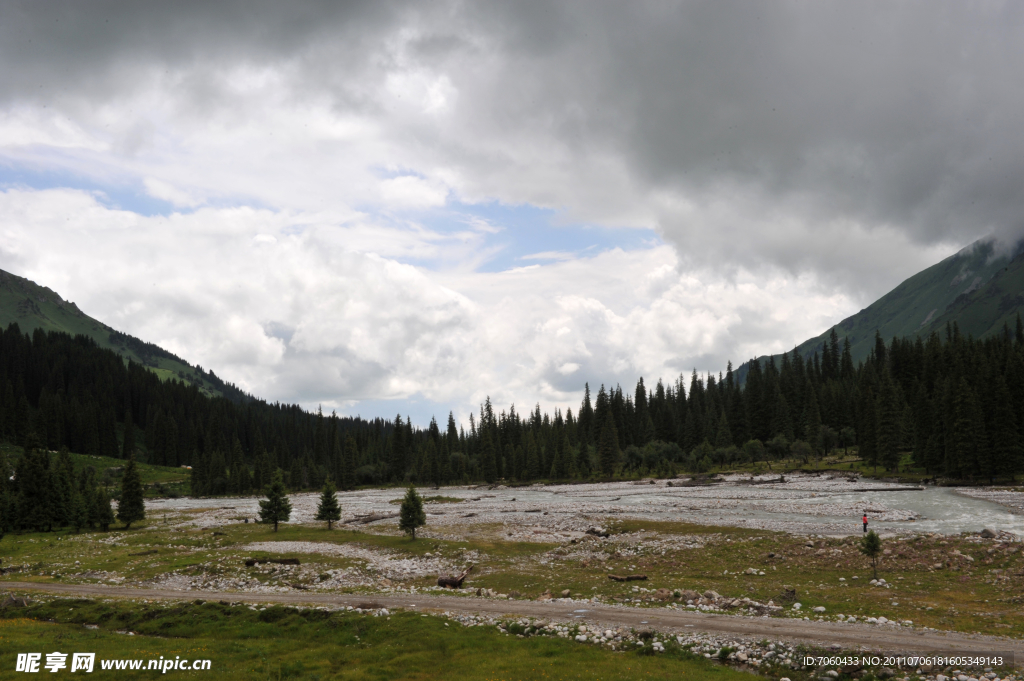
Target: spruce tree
{"x": 32, "y": 474}
{"x": 275, "y": 508}
{"x": 328, "y": 509}
{"x": 871, "y": 546}
{"x": 488, "y": 462}
{"x": 1006, "y": 446}
{"x": 812, "y": 415}
{"x": 962, "y": 450}
{"x": 79, "y": 512}
{"x": 350, "y": 455}
{"x": 6, "y": 521}
{"x": 411, "y": 514}
{"x": 102, "y": 512}
{"x": 608, "y": 445}
{"x": 130, "y": 506}
{"x": 888, "y": 433}
{"x": 128, "y": 444}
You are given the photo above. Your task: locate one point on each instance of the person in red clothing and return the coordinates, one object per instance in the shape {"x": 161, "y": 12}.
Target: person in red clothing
{"x": 865, "y": 519}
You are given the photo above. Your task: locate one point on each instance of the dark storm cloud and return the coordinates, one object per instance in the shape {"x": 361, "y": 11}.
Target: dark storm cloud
{"x": 807, "y": 120}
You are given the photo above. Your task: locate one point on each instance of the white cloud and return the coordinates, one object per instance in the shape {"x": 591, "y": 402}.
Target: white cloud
{"x": 319, "y": 316}
{"x": 167, "y": 192}
{"x": 792, "y": 174}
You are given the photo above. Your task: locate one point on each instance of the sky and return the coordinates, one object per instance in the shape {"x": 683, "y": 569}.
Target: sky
{"x": 406, "y": 207}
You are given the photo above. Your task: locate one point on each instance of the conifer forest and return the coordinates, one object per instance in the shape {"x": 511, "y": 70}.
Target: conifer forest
{"x": 955, "y": 404}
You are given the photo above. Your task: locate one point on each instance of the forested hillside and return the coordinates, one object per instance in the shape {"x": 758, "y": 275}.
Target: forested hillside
{"x": 979, "y": 288}
{"x": 31, "y": 306}
{"x": 954, "y": 401}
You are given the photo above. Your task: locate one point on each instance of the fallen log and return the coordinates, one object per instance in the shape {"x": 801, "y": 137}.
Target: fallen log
{"x": 451, "y": 582}
{"x": 277, "y": 561}
{"x": 628, "y": 578}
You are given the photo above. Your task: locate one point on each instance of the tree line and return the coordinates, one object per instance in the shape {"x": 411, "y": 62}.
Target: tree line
{"x": 954, "y": 403}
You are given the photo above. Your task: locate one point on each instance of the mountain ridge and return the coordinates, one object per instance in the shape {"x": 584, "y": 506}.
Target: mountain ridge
{"x": 33, "y": 306}
{"x": 979, "y": 288}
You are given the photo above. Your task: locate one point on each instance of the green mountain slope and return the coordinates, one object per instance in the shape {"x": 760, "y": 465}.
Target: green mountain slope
{"x": 977, "y": 288}
{"x": 36, "y": 307}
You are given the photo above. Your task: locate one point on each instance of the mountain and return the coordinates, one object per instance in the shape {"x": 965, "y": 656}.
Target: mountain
{"x": 978, "y": 288}
{"x": 36, "y": 307}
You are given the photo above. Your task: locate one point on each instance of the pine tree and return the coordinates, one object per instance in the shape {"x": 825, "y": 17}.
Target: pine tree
{"x": 962, "y": 450}
{"x": 488, "y": 462}
{"x": 32, "y": 474}
{"x": 812, "y": 415}
{"x": 328, "y": 509}
{"x": 128, "y": 445}
{"x": 1006, "y": 446}
{"x": 411, "y": 514}
{"x": 723, "y": 438}
{"x": 350, "y": 455}
{"x": 888, "y": 433}
{"x": 79, "y": 512}
{"x": 608, "y": 445}
{"x": 275, "y": 508}
{"x": 130, "y": 506}
{"x": 871, "y": 546}
{"x": 6, "y": 521}
{"x": 102, "y": 512}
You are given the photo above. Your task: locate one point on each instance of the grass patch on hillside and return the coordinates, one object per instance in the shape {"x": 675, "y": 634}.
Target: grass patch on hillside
{"x": 282, "y": 643}
{"x": 157, "y": 481}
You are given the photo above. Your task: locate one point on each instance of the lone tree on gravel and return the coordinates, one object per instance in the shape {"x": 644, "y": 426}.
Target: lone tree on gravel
{"x": 328, "y": 509}
{"x": 871, "y": 546}
{"x": 411, "y": 514}
{"x": 276, "y": 508}
{"x": 130, "y": 507}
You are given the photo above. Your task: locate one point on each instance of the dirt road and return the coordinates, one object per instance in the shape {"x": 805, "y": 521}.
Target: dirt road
{"x": 847, "y": 636}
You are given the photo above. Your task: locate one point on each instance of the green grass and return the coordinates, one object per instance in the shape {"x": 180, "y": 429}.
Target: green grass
{"x": 963, "y": 595}
{"x": 282, "y": 643}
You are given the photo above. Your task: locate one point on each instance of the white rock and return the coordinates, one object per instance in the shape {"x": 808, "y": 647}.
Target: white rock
{"x": 819, "y": 608}
{"x": 796, "y": 606}
{"x": 582, "y": 638}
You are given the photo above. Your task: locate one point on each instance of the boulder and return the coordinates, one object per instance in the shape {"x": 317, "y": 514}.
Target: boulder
{"x": 566, "y": 593}
{"x": 598, "y": 532}
{"x": 712, "y": 595}
{"x": 689, "y": 595}
{"x": 662, "y": 595}
{"x": 988, "y": 534}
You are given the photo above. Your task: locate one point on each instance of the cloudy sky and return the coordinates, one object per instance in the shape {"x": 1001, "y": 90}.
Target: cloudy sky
{"x": 385, "y": 207}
